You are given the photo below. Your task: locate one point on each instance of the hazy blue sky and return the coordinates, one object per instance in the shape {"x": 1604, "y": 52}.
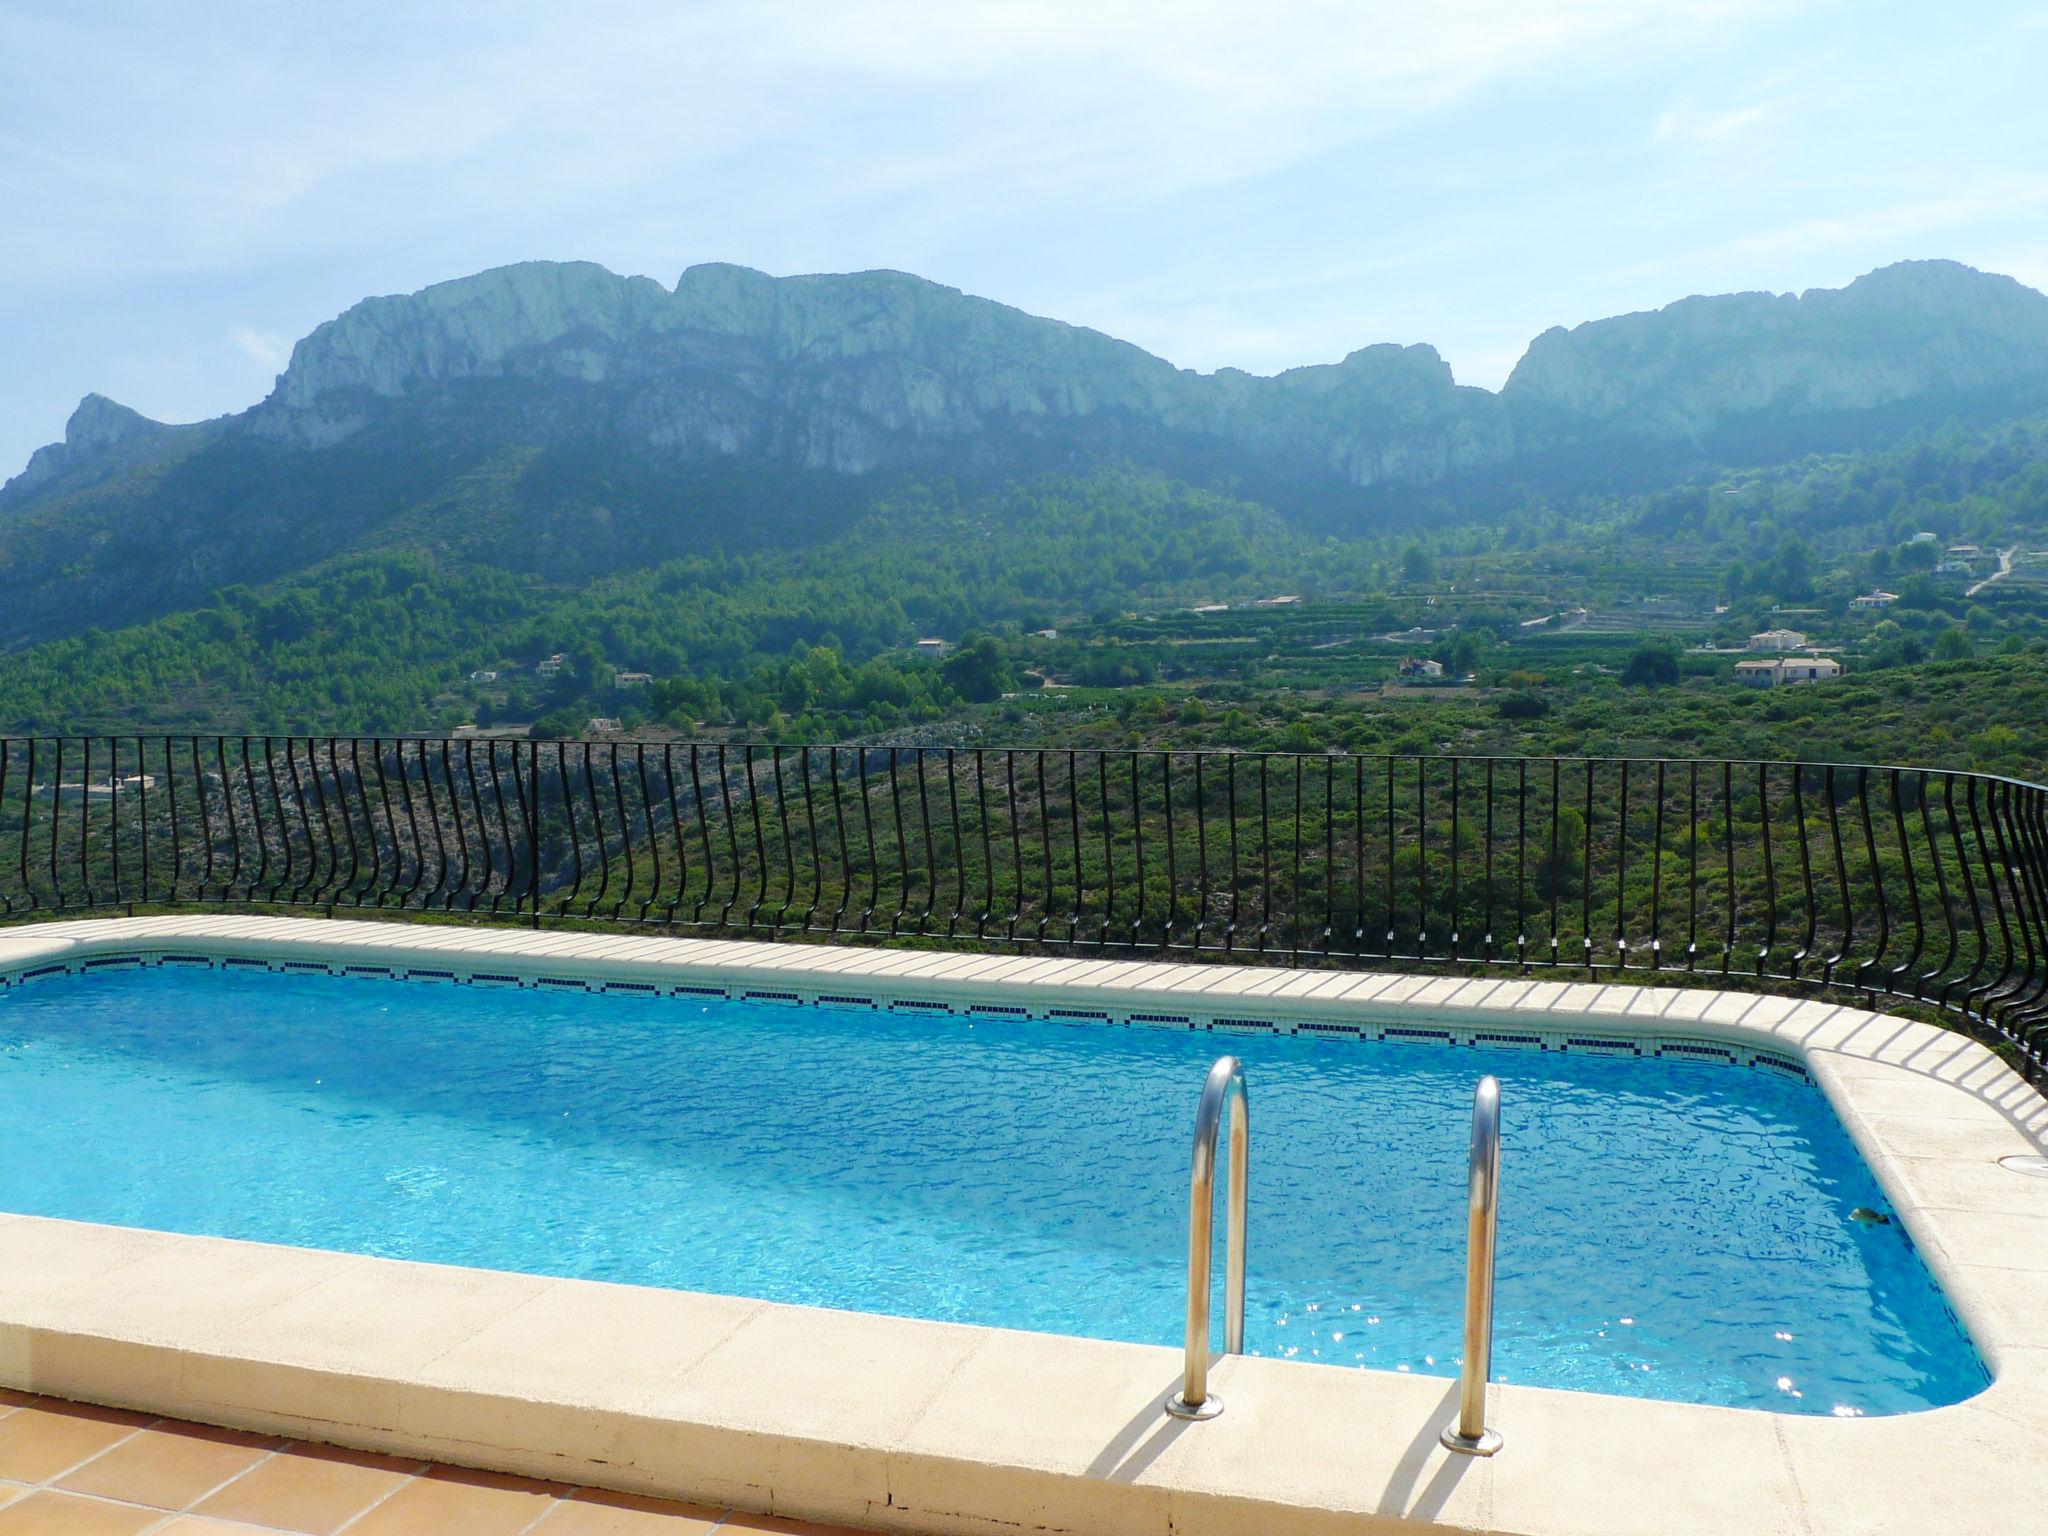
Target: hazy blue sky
{"x": 185, "y": 189}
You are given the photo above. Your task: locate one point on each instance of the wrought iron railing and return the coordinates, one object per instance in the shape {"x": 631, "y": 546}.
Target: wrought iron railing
{"x": 1905, "y": 883}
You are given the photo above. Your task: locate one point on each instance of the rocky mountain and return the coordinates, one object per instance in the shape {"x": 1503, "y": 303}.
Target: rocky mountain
{"x": 558, "y": 417}
{"x": 1703, "y": 367}
{"x": 102, "y": 438}
{"x": 850, "y": 374}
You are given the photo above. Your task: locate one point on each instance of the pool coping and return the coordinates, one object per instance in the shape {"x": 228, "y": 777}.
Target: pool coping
{"x": 919, "y": 1426}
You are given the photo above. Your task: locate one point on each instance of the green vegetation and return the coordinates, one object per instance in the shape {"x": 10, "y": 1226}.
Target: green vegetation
{"x": 1148, "y": 610}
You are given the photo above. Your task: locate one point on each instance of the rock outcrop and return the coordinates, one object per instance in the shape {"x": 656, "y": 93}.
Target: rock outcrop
{"x": 1700, "y": 367}
{"x": 101, "y": 437}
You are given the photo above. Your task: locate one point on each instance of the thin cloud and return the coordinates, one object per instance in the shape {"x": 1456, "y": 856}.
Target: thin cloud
{"x": 269, "y": 348}
{"x": 1707, "y": 127}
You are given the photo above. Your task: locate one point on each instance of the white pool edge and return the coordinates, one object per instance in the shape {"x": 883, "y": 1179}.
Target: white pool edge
{"x": 918, "y": 1426}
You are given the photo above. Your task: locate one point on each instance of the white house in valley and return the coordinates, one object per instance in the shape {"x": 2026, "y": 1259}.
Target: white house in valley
{"x": 1778, "y": 640}
{"x": 1778, "y": 672}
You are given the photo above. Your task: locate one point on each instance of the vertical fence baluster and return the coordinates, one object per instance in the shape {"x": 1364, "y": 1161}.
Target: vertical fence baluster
{"x": 839, "y": 833}
{"x": 1293, "y": 935}
{"x": 57, "y": 899}
{"x": 1456, "y": 911}
{"x": 384, "y": 800}
{"x": 1657, "y": 873}
{"x": 1016, "y": 844}
{"x": 650, "y": 830}
{"x": 2019, "y": 959}
{"x": 1692, "y": 868}
{"x": 283, "y": 820}
{"x": 874, "y": 863}
{"x": 817, "y": 892}
{"x": 1137, "y": 850}
{"x": 1805, "y": 870}
{"x": 1980, "y": 943}
{"x": 1486, "y": 933}
{"x": 1108, "y": 848}
{"x": 959, "y": 844}
{"x": 496, "y": 778}
{"x": 28, "y": 817}
{"x": 2025, "y": 895}
{"x": 1728, "y": 855}
{"x": 1358, "y": 857}
{"x": 1391, "y": 834}
{"x": 1422, "y": 858}
{"x": 1586, "y": 875}
{"x": 1229, "y": 797}
{"x": 1621, "y": 873}
{"x": 1265, "y": 855}
{"x": 2014, "y": 859}
{"x": 1763, "y": 804}
{"x": 729, "y": 812}
{"x": 708, "y": 863}
{"x": 1927, "y": 978}
{"x": 340, "y": 884}
{"x": 1166, "y": 935}
{"x": 1521, "y": 862}
{"x": 1841, "y": 953}
{"x": 1974, "y": 1000}
{"x": 10, "y": 903}
{"x": 428, "y": 893}
{"x": 251, "y": 889}
{"x": 1884, "y": 917}
{"x": 85, "y": 823}
{"x": 1329, "y": 850}
{"x": 1556, "y": 868}
{"x": 1201, "y": 853}
{"x": 788, "y": 838}
{"x": 902, "y": 849}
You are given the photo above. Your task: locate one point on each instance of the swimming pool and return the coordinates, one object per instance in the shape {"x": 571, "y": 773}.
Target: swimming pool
{"x": 1669, "y": 1228}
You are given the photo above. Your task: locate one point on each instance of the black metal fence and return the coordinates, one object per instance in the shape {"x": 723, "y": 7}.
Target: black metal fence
{"x": 1905, "y": 883}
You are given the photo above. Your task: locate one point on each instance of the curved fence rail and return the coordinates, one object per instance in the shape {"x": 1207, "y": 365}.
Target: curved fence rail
{"x": 1908, "y": 883}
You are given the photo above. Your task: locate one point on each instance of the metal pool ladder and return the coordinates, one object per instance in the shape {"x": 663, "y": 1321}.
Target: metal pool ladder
{"x": 1225, "y": 1085}
{"x": 1469, "y": 1435}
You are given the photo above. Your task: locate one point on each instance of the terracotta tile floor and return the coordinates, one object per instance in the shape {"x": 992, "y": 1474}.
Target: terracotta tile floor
{"x": 67, "y": 1469}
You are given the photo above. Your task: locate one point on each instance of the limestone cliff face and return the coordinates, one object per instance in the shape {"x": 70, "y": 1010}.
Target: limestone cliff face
{"x": 852, "y": 373}
{"x": 1385, "y": 415}
{"x": 569, "y": 319}
{"x": 1695, "y": 368}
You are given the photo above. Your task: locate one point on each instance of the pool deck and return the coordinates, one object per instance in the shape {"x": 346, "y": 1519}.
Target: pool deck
{"x": 913, "y": 1426}
{"x": 89, "y": 1471}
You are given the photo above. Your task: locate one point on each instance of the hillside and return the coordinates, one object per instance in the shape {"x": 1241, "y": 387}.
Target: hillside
{"x": 562, "y": 422}
{"x": 1120, "y": 607}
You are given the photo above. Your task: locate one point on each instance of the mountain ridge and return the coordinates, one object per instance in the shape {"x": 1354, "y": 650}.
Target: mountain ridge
{"x": 558, "y": 417}
{"x": 891, "y": 353}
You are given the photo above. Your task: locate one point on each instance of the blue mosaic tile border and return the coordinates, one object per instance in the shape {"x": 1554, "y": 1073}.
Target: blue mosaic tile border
{"x": 1666, "y": 1047}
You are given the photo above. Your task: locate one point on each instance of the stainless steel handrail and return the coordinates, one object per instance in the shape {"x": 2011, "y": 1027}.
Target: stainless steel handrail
{"x": 1469, "y": 1435}
{"x": 1226, "y": 1083}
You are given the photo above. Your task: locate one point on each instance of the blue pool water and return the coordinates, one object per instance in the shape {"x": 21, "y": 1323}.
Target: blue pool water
{"x": 1667, "y": 1229}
